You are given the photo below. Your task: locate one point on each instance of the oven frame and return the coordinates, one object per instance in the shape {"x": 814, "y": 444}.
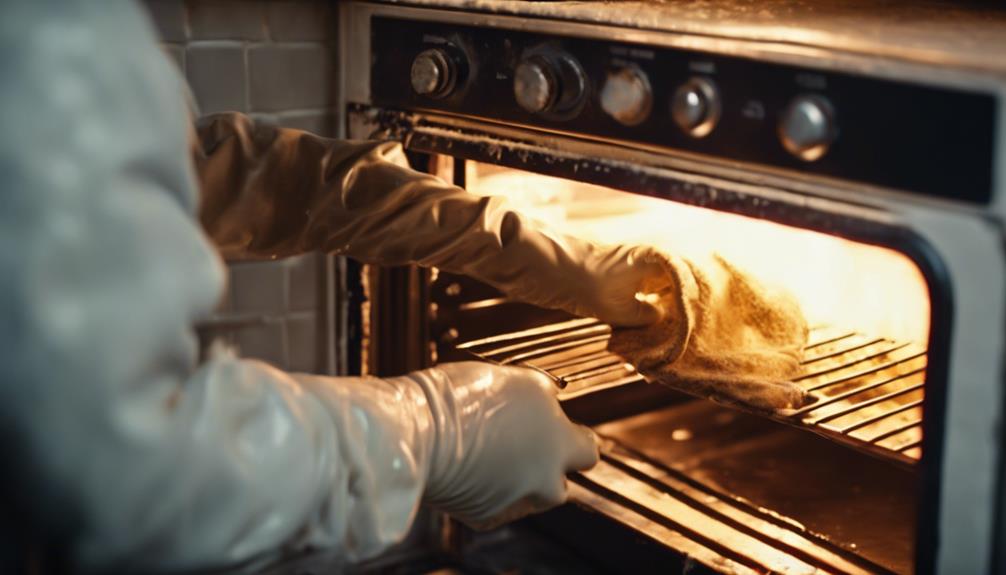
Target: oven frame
{"x": 429, "y": 134}
{"x": 854, "y": 211}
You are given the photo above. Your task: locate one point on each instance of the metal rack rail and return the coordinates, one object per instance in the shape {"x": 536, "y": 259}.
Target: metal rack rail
{"x": 868, "y": 390}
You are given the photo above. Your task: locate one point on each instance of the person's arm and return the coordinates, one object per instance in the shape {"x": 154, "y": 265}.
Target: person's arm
{"x": 135, "y": 456}
{"x": 274, "y": 192}
{"x": 271, "y": 192}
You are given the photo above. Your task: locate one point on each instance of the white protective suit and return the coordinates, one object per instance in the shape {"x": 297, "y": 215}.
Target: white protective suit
{"x": 138, "y": 458}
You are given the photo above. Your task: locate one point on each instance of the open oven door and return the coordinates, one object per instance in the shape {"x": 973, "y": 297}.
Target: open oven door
{"x": 838, "y": 486}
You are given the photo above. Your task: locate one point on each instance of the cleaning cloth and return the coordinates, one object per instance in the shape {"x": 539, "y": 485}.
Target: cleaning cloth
{"x": 723, "y": 335}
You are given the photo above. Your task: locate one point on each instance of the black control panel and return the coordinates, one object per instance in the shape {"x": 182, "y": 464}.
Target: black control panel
{"x": 912, "y": 137}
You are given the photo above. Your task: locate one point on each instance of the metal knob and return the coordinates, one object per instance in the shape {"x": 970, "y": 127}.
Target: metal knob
{"x": 432, "y": 73}
{"x": 626, "y": 96}
{"x": 550, "y": 82}
{"x": 535, "y": 85}
{"x": 695, "y": 107}
{"x": 807, "y": 127}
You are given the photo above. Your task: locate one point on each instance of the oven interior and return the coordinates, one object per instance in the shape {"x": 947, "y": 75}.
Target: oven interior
{"x": 833, "y": 486}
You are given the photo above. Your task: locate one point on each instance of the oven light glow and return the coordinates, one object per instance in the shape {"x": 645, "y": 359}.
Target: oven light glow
{"x": 838, "y": 282}
{"x": 651, "y": 298}
{"x": 681, "y": 434}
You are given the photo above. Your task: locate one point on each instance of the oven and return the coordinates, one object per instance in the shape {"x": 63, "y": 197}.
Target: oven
{"x": 866, "y": 181}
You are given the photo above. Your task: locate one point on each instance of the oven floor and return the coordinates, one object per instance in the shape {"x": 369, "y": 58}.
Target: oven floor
{"x": 860, "y": 503}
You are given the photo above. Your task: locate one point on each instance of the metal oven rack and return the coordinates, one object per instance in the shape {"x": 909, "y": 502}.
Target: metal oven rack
{"x": 868, "y": 391}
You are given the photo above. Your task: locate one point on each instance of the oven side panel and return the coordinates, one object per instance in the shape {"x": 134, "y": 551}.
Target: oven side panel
{"x": 353, "y": 79}
{"x": 972, "y": 251}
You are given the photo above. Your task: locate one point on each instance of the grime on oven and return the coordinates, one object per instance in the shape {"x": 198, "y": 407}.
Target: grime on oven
{"x": 847, "y": 155}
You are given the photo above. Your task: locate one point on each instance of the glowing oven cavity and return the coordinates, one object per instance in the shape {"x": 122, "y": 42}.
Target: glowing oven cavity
{"x": 868, "y": 306}
{"x": 869, "y": 312}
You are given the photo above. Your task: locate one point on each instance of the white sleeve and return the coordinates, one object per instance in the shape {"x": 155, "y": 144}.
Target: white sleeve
{"x": 142, "y": 458}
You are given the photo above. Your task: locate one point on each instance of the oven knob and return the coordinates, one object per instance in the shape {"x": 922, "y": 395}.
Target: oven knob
{"x": 626, "y": 96}
{"x": 433, "y": 73}
{"x": 695, "y": 107}
{"x": 549, "y": 82}
{"x": 535, "y": 85}
{"x": 807, "y": 127}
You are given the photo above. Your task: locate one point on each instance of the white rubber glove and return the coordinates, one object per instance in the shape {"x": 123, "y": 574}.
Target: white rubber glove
{"x": 503, "y": 446}
{"x": 492, "y": 442}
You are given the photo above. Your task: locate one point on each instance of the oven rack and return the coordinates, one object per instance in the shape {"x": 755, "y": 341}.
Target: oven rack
{"x": 868, "y": 391}
{"x": 714, "y": 528}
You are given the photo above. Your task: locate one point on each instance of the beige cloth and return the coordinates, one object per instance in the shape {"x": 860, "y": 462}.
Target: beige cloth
{"x": 724, "y": 336}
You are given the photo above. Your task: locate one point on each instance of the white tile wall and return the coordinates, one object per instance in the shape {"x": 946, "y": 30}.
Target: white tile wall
{"x": 177, "y": 54}
{"x": 272, "y": 59}
{"x": 302, "y": 285}
{"x": 302, "y": 341}
{"x": 261, "y": 286}
{"x": 169, "y": 18}
{"x": 218, "y": 77}
{"x": 226, "y": 19}
{"x": 266, "y": 342}
{"x": 299, "y": 20}
{"x": 286, "y": 76}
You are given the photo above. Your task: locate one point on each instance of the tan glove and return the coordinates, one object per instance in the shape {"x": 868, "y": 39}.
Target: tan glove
{"x": 723, "y": 335}
{"x": 270, "y": 192}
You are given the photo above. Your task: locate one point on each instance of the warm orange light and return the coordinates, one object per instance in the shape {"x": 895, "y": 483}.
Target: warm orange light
{"x": 838, "y": 282}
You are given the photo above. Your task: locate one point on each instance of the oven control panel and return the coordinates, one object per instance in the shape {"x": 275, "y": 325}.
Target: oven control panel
{"x": 913, "y": 137}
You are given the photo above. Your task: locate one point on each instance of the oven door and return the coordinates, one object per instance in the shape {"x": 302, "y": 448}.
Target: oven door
{"x": 850, "y": 484}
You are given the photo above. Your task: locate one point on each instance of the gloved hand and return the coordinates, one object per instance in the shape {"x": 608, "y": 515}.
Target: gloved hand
{"x": 623, "y": 285}
{"x": 269, "y": 192}
{"x": 723, "y": 334}
{"x": 489, "y": 442}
